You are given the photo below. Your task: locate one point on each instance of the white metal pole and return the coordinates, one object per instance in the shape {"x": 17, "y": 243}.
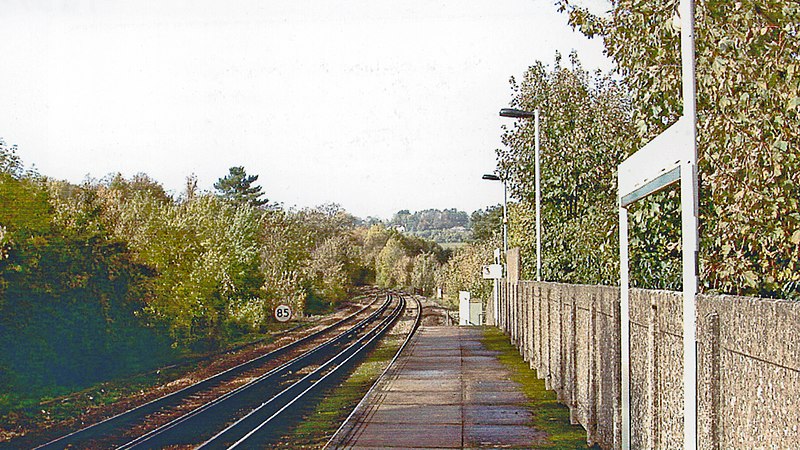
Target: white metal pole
{"x": 505, "y": 220}
{"x": 538, "y": 202}
{"x": 689, "y": 225}
{"x": 689, "y": 238}
{"x": 624, "y": 319}
{"x": 496, "y": 292}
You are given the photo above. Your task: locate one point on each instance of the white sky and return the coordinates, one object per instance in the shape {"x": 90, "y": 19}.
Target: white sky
{"x": 378, "y": 105}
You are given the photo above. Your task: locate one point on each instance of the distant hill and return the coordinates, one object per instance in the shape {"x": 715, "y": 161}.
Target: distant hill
{"x": 442, "y": 226}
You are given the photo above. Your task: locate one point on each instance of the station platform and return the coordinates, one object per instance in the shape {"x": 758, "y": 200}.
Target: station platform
{"x": 445, "y": 391}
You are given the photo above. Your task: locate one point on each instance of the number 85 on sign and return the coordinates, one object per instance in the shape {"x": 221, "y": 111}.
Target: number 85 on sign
{"x": 283, "y": 313}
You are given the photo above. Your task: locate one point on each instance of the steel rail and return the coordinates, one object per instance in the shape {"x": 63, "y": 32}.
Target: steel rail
{"x": 361, "y": 404}
{"x": 251, "y": 427}
{"x": 117, "y": 422}
{"x": 208, "y": 412}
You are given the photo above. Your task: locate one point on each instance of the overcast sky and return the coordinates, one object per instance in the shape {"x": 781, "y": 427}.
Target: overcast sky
{"x": 375, "y": 105}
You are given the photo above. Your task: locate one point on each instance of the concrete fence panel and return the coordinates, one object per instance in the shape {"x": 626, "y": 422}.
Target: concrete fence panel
{"x": 748, "y": 374}
{"x": 751, "y": 394}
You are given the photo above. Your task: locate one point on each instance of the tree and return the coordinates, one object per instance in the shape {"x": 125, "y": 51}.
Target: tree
{"x": 487, "y": 224}
{"x": 748, "y": 79}
{"x": 585, "y": 132}
{"x": 237, "y": 188}
{"x": 462, "y": 272}
{"x": 423, "y": 273}
{"x": 10, "y": 162}
{"x": 391, "y": 264}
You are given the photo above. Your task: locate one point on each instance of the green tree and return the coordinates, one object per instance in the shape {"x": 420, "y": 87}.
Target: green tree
{"x": 748, "y": 79}
{"x": 237, "y": 187}
{"x": 487, "y": 223}
{"x": 462, "y": 272}
{"x": 585, "y": 132}
{"x": 423, "y": 272}
{"x": 391, "y": 270}
{"x": 286, "y": 246}
{"x": 70, "y": 293}
{"x": 10, "y": 162}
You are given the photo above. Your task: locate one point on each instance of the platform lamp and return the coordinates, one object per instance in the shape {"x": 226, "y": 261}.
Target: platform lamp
{"x": 520, "y": 114}
{"x": 493, "y": 177}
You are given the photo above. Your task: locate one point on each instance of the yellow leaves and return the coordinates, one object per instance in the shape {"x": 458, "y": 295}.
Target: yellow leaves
{"x": 795, "y": 239}
{"x": 780, "y": 144}
{"x": 750, "y": 278}
{"x": 5, "y": 243}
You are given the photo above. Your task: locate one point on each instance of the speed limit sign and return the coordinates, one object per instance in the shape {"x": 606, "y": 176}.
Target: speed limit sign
{"x": 283, "y": 313}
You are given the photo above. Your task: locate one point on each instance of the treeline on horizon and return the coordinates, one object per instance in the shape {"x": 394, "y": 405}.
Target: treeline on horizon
{"x": 115, "y": 276}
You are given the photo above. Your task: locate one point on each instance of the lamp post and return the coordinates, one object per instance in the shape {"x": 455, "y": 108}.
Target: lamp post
{"x": 496, "y": 289}
{"x": 492, "y": 177}
{"x": 520, "y": 114}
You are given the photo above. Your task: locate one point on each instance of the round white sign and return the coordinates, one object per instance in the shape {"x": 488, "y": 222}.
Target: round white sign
{"x": 283, "y": 313}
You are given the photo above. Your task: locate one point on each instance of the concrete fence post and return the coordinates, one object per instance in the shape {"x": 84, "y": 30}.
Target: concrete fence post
{"x": 499, "y": 311}
{"x": 710, "y": 378}
{"x": 548, "y": 372}
{"x": 505, "y": 306}
{"x": 529, "y": 322}
{"x": 617, "y": 372}
{"x": 592, "y": 371}
{"x": 531, "y": 295}
{"x": 526, "y": 330}
{"x": 573, "y": 356}
{"x": 651, "y": 428}
{"x": 515, "y": 293}
{"x": 537, "y": 329}
{"x": 512, "y": 311}
{"x": 502, "y": 306}
{"x": 523, "y": 345}
{"x": 562, "y": 346}
{"x": 509, "y": 308}
{"x": 518, "y": 318}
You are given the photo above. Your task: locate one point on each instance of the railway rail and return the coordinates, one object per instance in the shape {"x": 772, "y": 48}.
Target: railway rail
{"x": 262, "y": 425}
{"x": 125, "y": 430}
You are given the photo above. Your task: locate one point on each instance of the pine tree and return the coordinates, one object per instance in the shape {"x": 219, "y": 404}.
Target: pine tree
{"x": 237, "y": 188}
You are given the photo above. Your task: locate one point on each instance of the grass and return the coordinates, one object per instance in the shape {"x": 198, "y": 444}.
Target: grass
{"x": 548, "y": 415}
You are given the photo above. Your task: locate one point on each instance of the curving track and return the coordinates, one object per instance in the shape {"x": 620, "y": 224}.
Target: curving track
{"x": 259, "y": 427}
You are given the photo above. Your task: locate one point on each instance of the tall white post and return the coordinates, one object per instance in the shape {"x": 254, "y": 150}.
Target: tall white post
{"x": 496, "y": 292}
{"x": 625, "y": 330}
{"x": 537, "y": 174}
{"x": 689, "y": 225}
{"x": 505, "y": 220}
{"x": 669, "y": 157}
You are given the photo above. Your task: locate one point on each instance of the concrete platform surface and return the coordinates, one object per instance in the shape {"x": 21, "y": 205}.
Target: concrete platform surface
{"x": 445, "y": 391}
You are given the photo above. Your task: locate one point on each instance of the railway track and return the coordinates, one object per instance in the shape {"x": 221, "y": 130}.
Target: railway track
{"x": 262, "y": 425}
{"x": 126, "y": 430}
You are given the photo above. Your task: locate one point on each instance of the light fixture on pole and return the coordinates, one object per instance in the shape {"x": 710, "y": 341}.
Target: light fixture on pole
{"x": 496, "y": 289}
{"x": 493, "y": 177}
{"x": 520, "y": 114}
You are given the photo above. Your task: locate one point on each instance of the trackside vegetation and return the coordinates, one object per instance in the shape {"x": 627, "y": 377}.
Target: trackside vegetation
{"x": 116, "y": 276}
